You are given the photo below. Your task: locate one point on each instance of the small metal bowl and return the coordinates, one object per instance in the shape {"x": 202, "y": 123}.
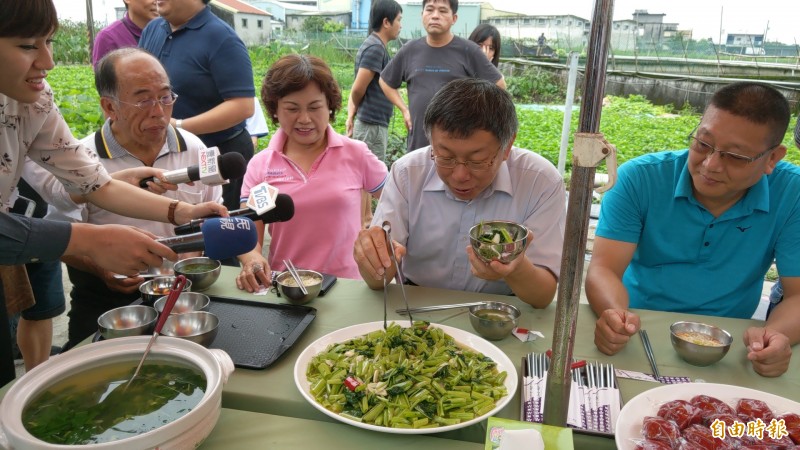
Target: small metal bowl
{"x": 289, "y": 289}
{"x": 197, "y": 326}
{"x": 158, "y": 287}
{"x": 187, "y": 302}
{"x": 131, "y": 320}
{"x": 494, "y": 320}
{"x": 192, "y": 269}
{"x": 689, "y": 347}
{"x": 503, "y": 252}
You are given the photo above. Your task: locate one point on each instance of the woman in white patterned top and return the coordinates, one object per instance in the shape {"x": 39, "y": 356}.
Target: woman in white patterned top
{"x": 31, "y": 126}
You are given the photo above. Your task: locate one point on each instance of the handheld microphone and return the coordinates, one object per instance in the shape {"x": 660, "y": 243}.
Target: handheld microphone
{"x": 283, "y": 211}
{"x": 220, "y": 237}
{"x": 211, "y": 171}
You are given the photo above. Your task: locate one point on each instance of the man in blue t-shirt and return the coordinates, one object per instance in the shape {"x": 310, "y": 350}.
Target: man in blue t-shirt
{"x": 696, "y": 230}
{"x": 776, "y": 294}
{"x": 211, "y": 72}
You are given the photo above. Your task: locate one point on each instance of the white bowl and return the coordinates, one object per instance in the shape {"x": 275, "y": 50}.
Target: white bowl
{"x": 188, "y": 431}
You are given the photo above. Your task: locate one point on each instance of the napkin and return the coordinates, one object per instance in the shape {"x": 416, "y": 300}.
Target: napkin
{"x": 525, "y": 335}
{"x": 521, "y": 440}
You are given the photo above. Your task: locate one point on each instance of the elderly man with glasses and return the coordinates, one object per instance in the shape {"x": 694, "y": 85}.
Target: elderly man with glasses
{"x": 696, "y": 230}
{"x": 470, "y": 173}
{"x": 136, "y": 97}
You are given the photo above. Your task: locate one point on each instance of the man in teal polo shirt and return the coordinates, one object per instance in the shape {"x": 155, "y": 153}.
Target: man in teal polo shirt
{"x": 696, "y": 230}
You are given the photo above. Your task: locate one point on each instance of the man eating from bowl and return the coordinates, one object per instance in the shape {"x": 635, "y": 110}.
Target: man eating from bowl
{"x": 469, "y": 174}
{"x": 696, "y": 230}
{"x": 136, "y": 97}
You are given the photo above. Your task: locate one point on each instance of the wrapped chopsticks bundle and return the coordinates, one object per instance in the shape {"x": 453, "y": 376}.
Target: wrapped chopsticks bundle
{"x": 594, "y": 394}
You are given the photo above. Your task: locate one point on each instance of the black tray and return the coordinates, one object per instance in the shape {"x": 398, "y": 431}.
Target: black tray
{"x": 256, "y": 334}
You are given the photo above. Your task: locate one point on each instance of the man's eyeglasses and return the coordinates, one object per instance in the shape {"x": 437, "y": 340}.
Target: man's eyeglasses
{"x": 472, "y": 166}
{"x": 149, "y": 103}
{"x": 704, "y": 148}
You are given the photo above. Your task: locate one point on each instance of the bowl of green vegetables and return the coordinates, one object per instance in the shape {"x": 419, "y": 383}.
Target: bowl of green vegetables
{"x": 498, "y": 240}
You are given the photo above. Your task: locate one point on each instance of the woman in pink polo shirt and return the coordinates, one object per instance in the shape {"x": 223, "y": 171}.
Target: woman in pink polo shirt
{"x": 323, "y": 171}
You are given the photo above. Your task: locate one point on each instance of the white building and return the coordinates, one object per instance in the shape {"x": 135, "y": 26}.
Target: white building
{"x": 252, "y": 25}
{"x": 279, "y": 9}
{"x": 565, "y": 31}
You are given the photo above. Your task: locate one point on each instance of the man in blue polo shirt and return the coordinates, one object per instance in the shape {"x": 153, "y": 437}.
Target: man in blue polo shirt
{"x": 211, "y": 72}
{"x": 696, "y": 230}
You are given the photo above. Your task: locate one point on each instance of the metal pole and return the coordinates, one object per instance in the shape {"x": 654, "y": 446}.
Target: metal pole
{"x": 90, "y": 26}
{"x": 572, "y": 60}
{"x": 559, "y": 378}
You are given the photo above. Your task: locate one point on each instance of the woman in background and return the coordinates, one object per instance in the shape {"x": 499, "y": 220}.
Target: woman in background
{"x": 488, "y": 39}
{"x": 323, "y": 171}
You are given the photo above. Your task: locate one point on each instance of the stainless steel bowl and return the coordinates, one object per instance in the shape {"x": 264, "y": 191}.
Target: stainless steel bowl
{"x": 201, "y": 280}
{"x": 196, "y": 326}
{"x": 131, "y": 320}
{"x": 494, "y": 320}
{"x": 187, "y": 302}
{"x": 503, "y": 252}
{"x": 695, "y": 353}
{"x": 158, "y": 287}
{"x": 291, "y": 291}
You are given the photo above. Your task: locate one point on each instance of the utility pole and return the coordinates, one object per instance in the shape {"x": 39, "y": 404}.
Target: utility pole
{"x": 90, "y": 26}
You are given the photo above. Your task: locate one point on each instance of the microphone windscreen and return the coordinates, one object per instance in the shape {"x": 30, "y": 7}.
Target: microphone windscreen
{"x": 231, "y": 165}
{"x": 283, "y": 210}
{"x": 228, "y": 237}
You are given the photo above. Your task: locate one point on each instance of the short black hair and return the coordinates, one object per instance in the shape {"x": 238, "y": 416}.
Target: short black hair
{"x": 453, "y": 4}
{"x": 383, "y": 9}
{"x": 28, "y": 18}
{"x": 468, "y": 104}
{"x": 758, "y": 103}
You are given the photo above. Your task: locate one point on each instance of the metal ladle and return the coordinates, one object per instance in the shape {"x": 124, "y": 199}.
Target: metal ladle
{"x": 172, "y": 298}
{"x": 404, "y": 311}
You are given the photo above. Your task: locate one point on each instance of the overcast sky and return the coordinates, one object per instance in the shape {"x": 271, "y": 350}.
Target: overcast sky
{"x": 702, "y": 16}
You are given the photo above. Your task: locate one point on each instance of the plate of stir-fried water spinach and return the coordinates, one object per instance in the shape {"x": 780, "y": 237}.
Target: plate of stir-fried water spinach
{"x": 428, "y": 378}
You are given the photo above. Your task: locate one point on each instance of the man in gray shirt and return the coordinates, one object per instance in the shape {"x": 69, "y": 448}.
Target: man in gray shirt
{"x": 428, "y": 63}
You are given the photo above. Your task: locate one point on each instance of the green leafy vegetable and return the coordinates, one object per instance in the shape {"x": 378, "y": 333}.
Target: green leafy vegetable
{"x": 417, "y": 377}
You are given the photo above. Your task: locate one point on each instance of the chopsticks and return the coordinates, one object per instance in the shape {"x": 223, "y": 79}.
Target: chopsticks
{"x": 594, "y": 395}
{"x": 648, "y": 350}
{"x": 295, "y": 275}
{"x": 399, "y": 277}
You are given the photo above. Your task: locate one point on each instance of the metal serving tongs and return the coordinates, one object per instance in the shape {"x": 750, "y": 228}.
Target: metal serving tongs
{"x": 399, "y": 277}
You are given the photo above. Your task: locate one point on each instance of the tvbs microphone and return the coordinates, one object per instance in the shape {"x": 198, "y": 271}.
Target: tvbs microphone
{"x": 283, "y": 211}
{"x": 211, "y": 171}
{"x": 220, "y": 237}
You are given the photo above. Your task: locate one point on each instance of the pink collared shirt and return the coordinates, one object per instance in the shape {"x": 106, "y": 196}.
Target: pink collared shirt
{"x": 327, "y": 202}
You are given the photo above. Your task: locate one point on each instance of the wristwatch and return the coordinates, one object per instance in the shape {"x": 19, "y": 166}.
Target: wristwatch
{"x": 179, "y": 123}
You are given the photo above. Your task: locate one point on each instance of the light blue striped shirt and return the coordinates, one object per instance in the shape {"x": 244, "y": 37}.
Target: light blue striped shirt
{"x": 434, "y": 225}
